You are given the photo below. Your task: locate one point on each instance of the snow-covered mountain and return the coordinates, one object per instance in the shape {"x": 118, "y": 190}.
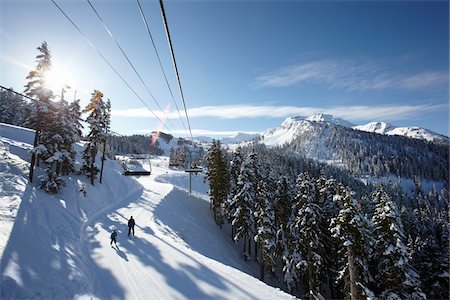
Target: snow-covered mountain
{"x": 328, "y": 119}
{"x": 410, "y": 131}
{"x": 241, "y": 137}
{"x": 295, "y": 126}
{"x": 377, "y": 127}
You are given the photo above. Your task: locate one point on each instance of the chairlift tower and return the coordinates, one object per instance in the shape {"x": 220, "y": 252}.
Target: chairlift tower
{"x": 190, "y": 171}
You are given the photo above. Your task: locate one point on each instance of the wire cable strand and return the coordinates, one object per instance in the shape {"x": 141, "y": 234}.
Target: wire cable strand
{"x": 129, "y": 61}
{"x": 166, "y": 26}
{"x": 109, "y": 64}
{"x": 144, "y": 19}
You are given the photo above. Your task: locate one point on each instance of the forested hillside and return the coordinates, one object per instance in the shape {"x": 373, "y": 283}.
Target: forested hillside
{"x": 323, "y": 233}
{"x": 373, "y": 154}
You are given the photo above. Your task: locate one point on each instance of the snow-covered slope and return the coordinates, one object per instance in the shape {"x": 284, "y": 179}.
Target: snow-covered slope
{"x": 377, "y": 127}
{"x": 328, "y": 119}
{"x": 57, "y": 246}
{"x": 294, "y": 126}
{"x": 410, "y": 131}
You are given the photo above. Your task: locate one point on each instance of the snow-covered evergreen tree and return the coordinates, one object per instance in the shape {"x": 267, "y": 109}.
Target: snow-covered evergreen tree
{"x": 351, "y": 229}
{"x": 217, "y": 175}
{"x": 97, "y": 135}
{"x": 284, "y": 195}
{"x": 396, "y": 279}
{"x": 45, "y": 120}
{"x": 235, "y": 169}
{"x": 36, "y": 88}
{"x": 305, "y": 228}
{"x": 243, "y": 203}
{"x": 13, "y": 108}
{"x": 432, "y": 262}
{"x": 265, "y": 227}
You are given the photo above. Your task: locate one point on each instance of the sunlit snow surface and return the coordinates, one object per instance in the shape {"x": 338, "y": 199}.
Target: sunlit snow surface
{"x": 57, "y": 246}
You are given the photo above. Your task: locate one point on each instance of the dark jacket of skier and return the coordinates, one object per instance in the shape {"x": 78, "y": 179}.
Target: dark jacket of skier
{"x": 131, "y": 224}
{"x": 113, "y": 237}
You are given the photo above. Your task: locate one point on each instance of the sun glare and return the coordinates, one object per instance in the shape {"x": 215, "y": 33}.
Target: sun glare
{"x": 56, "y": 79}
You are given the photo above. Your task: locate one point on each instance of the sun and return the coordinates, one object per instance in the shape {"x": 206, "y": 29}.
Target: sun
{"x": 57, "y": 78}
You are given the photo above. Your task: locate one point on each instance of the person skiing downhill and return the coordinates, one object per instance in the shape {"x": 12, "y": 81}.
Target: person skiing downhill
{"x": 113, "y": 237}
{"x": 131, "y": 224}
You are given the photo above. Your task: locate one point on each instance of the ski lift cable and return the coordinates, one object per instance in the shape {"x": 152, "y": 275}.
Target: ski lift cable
{"x": 109, "y": 64}
{"x": 166, "y": 26}
{"x": 129, "y": 62}
{"x": 144, "y": 19}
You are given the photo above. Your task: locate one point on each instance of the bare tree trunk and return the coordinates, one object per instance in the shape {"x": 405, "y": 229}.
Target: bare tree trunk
{"x": 310, "y": 273}
{"x": 261, "y": 270}
{"x": 352, "y": 273}
{"x": 256, "y": 250}
{"x": 245, "y": 248}
{"x": 103, "y": 160}
{"x": 33, "y": 157}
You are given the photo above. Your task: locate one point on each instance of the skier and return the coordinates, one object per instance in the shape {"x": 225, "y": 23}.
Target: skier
{"x": 131, "y": 226}
{"x": 113, "y": 237}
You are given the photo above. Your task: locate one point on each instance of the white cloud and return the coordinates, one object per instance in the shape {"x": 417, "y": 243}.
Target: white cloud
{"x": 350, "y": 113}
{"x": 351, "y": 75}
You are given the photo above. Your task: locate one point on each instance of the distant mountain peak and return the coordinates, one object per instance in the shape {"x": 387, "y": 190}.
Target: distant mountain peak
{"x": 320, "y": 118}
{"x": 409, "y": 131}
{"x": 377, "y": 127}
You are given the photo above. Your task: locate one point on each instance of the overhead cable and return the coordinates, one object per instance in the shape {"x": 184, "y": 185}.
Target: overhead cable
{"x": 166, "y": 26}
{"x": 128, "y": 60}
{"x": 109, "y": 64}
{"x": 159, "y": 59}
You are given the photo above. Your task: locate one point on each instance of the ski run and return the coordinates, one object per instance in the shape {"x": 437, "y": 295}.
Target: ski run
{"x": 58, "y": 246}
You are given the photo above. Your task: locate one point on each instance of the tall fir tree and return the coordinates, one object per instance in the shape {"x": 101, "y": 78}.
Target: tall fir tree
{"x": 395, "y": 277}
{"x": 305, "y": 226}
{"x": 97, "y": 124}
{"x": 352, "y": 231}
{"x": 45, "y": 120}
{"x": 217, "y": 175}
{"x": 235, "y": 169}
{"x": 244, "y": 201}
{"x": 36, "y": 88}
{"x": 265, "y": 227}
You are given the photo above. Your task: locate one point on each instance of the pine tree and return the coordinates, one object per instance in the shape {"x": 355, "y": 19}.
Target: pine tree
{"x": 325, "y": 190}
{"x": 36, "y": 88}
{"x": 432, "y": 261}
{"x": 45, "y": 120}
{"x": 305, "y": 226}
{"x": 351, "y": 229}
{"x": 243, "y": 203}
{"x": 396, "y": 278}
{"x": 217, "y": 175}
{"x": 265, "y": 227}
{"x": 97, "y": 123}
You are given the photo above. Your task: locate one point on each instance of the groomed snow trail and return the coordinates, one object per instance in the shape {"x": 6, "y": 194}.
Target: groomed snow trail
{"x": 57, "y": 246}
{"x": 173, "y": 255}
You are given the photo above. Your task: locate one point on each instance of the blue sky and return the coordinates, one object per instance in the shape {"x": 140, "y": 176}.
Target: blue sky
{"x": 244, "y": 65}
